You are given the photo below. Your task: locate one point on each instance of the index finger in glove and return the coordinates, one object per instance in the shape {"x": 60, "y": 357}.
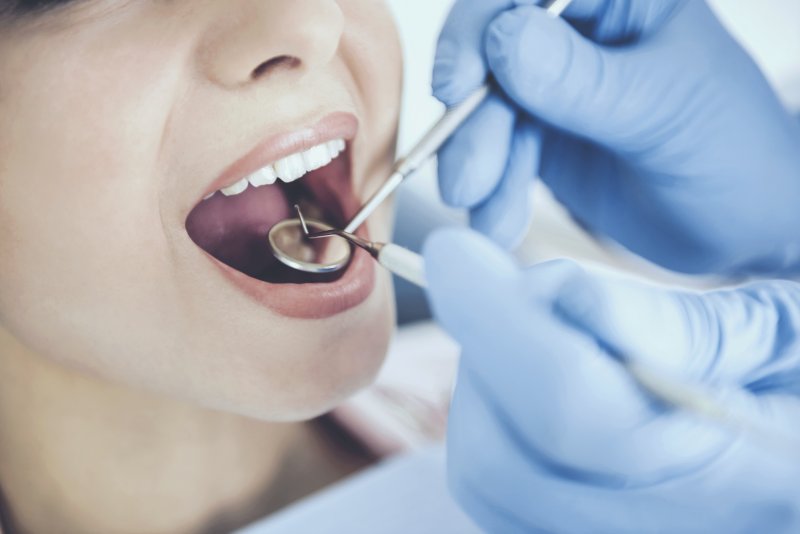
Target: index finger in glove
{"x": 461, "y": 65}
{"x": 733, "y": 336}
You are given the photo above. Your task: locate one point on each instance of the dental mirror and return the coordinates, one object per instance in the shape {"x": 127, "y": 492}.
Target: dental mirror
{"x": 292, "y": 248}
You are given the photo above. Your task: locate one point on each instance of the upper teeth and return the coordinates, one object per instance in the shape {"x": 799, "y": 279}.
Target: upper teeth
{"x": 289, "y": 168}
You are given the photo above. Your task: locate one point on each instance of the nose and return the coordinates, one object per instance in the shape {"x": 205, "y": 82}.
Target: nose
{"x": 253, "y": 39}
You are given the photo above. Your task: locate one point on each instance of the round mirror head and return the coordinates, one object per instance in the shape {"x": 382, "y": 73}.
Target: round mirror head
{"x": 292, "y": 248}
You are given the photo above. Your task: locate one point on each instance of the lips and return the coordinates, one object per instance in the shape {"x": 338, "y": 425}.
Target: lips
{"x": 232, "y": 230}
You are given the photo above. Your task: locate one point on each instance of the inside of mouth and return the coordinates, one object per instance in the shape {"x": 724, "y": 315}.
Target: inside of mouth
{"x": 235, "y": 229}
{"x": 292, "y": 245}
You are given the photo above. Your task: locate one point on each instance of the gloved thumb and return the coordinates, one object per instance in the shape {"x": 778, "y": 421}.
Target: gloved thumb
{"x": 554, "y": 73}
{"x": 467, "y": 275}
{"x": 477, "y": 291}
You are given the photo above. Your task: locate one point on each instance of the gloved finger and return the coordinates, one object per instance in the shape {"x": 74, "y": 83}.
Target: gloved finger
{"x": 619, "y": 21}
{"x": 499, "y": 479}
{"x": 460, "y": 64}
{"x": 502, "y": 483}
{"x": 463, "y": 267}
{"x": 639, "y": 438}
{"x": 549, "y": 412}
{"x": 554, "y": 73}
{"x": 474, "y": 428}
{"x": 736, "y": 336}
{"x": 571, "y": 398}
{"x": 506, "y": 215}
{"x": 582, "y": 410}
{"x": 472, "y": 161}
{"x": 474, "y": 286}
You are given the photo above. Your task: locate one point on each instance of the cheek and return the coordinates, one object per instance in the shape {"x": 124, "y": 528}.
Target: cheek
{"x": 82, "y": 240}
{"x": 371, "y": 46}
{"x": 342, "y": 360}
{"x": 372, "y": 27}
{"x": 80, "y": 270}
{"x": 79, "y": 173}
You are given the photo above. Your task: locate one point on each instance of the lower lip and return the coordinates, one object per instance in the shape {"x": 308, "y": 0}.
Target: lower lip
{"x": 310, "y": 301}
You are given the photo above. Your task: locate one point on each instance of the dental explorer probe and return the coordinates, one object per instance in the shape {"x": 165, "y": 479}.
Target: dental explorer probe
{"x": 432, "y": 141}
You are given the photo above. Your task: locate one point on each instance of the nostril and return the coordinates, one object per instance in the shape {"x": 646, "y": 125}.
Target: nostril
{"x": 275, "y": 64}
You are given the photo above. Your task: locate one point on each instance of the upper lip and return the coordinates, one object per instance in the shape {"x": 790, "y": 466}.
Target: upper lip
{"x": 337, "y": 125}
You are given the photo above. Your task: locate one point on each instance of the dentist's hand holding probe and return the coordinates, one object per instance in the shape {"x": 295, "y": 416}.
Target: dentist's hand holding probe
{"x": 645, "y": 118}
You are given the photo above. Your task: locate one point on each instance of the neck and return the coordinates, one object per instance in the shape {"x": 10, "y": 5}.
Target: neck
{"x": 97, "y": 455}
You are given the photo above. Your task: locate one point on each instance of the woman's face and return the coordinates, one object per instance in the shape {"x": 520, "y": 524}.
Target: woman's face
{"x": 118, "y": 117}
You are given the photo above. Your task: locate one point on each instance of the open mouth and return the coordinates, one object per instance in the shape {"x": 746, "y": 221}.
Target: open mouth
{"x": 233, "y": 223}
{"x": 312, "y": 168}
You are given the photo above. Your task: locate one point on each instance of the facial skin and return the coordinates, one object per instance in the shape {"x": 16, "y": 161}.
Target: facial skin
{"x": 114, "y": 117}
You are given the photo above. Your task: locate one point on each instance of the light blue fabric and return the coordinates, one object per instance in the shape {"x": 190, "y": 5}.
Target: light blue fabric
{"x": 548, "y": 432}
{"x": 646, "y": 119}
{"x": 401, "y": 496}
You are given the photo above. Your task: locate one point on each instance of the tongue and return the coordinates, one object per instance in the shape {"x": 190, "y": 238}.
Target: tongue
{"x": 234, "y": 229}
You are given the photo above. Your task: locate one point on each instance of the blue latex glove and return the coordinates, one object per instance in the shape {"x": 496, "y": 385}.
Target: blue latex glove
{"x": 646, "y": 119}
{"x": 549, "y": 433}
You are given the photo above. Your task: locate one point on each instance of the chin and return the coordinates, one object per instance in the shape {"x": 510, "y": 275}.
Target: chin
{"x": 338, "y": 357}
{"x": 311, "y": 365}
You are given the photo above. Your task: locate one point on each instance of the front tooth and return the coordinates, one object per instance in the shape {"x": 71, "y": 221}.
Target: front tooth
{"x": 265, "y": 176}
{"x": 316, "y": 157}
{"x": 236, "y": 188}
{"x": 333, "y": 149}
{"x": 290, "y": 168}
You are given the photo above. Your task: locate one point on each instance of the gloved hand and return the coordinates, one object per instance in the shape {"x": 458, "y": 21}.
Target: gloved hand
{"x": 646, "y": 119}
{"x": 549, "y": 433}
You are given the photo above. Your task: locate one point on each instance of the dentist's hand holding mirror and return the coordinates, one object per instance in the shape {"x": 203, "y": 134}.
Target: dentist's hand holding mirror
{"x": 655, "y": 129}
